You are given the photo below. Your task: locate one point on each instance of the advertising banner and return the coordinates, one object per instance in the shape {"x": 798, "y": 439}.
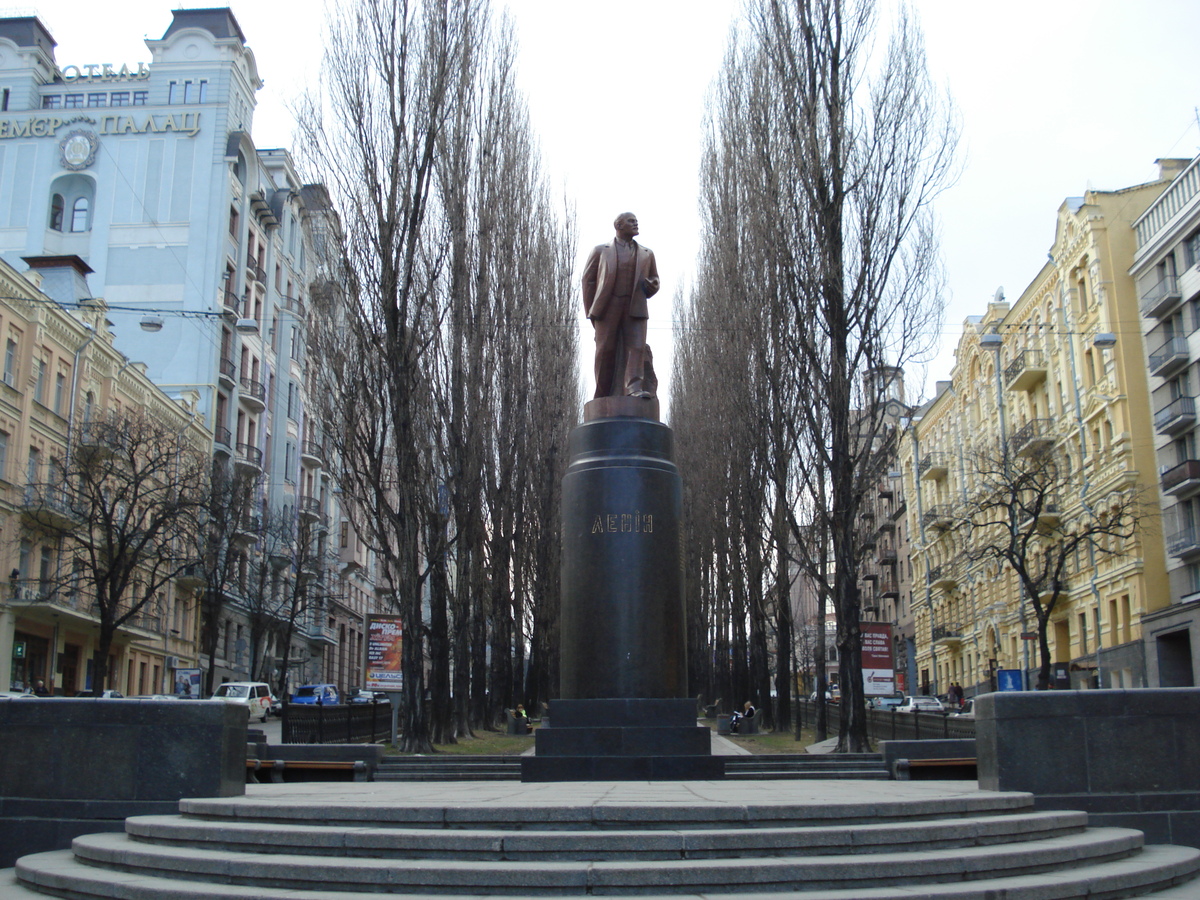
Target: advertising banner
{"x": 187, "y": 683}
{"x": 879, "y": 675}
{"x": 385, "y": 645}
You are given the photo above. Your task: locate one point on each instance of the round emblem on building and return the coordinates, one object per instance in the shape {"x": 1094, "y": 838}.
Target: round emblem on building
{"x": 79, "y": 150}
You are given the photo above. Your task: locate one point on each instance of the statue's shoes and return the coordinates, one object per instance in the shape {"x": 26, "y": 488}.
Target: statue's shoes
{"x": 641, "y": 395}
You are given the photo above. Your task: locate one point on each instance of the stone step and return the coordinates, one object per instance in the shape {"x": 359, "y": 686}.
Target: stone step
{"x": 1155, "y": 868}
{"x": 764, "y": 873}
{"x": 495, "y": 844}
{"x": 760, "y": 806}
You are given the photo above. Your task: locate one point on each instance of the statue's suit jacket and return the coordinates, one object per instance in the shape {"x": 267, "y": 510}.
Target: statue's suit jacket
{"x": 600, "y": 274}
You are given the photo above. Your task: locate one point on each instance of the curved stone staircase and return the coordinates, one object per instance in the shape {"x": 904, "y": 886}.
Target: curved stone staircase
{"x": 831, "y": 840}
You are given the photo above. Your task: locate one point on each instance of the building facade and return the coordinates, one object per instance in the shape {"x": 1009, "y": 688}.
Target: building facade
{"x": 1166, "y": 268}
{"x": 199, "y": 243}
{"x": 1056, "y": 377}
{"x": 61, "y": 370}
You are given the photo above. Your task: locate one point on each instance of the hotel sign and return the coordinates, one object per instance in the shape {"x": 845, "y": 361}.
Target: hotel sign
{"x": 102, "y": 73}
{"x": 156, "y": 123}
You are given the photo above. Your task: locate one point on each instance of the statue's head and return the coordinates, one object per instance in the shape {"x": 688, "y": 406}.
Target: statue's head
{"x": 626, "y": 225}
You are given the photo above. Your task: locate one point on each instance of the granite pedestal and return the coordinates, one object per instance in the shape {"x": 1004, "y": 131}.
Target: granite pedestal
{"x": 623, "y": 712}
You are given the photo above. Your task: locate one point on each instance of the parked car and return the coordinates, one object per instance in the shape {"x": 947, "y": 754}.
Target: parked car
{"x": 325, "y": 694}
{"x": 832, "y": 695}
{"x": 254, "y": 695}
{"x": 921, "y": 704}
{"x": 368, "y": 697}
{"x": 885, "y": 702}
{"x": 16, "y": 695}
{"x": 967, "y": 711}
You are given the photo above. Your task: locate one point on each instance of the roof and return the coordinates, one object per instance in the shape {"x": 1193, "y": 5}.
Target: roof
{"x": 219, "y": 22}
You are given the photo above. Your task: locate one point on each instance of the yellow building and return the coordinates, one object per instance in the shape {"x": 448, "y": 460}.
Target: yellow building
{"x": 1055, "y": 382}
{"x": 60, "y": 368}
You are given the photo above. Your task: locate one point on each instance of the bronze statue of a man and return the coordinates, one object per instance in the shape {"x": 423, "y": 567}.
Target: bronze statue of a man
{"x": 617, "y": 280}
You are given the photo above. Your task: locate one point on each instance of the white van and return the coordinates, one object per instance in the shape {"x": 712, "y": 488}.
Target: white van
{"x": 254, "y": 695}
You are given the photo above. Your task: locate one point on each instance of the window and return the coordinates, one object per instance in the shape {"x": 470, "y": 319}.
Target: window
{"x": 94, "y": 100}
{"x": 4, "y": 455}
{"x": 1191, "y": 250}
{"x": 289, "y": 459}
{"x": 79, "y": 214}
{"x": 293, "y": 401}
{"x": 4, "y": 100}
{"x": 140, "y": 98}
{"x": 33, "y": 466}
{"x": 10, "y": 363}
{"x": 195, "y": 91}
{"x": 89, "y": 404}
{"x": 233, "y": 221}
{"x": 119, "y": 98}
{"x": 175, "y": 92}
{"x": 52, "y": 101}
{"x": 73, "y": 101}
{"x": 60, "y": 391}
{"x": 39, "y": 386}
{"x": 56, "y": 212}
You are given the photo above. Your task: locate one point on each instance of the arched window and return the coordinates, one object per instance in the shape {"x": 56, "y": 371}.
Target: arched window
{"x": 57, "y": 204}
{"x": 79, "y": 214}
{"x": 89, "y": 404}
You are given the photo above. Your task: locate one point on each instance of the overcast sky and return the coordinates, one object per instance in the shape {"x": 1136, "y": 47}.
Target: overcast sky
{"x": 1055, "y": 96}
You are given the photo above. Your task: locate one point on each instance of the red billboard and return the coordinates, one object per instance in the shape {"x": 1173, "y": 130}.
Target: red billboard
{"x": 879, "y": 674}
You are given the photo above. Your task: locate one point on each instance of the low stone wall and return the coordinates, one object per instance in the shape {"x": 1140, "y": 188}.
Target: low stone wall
{"x": 80, "y": 766}
{"x": 1128, "y": 758}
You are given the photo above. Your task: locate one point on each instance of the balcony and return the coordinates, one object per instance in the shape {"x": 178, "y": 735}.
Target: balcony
{"x": 887, "y": 556}
{"x": 249, "y": 457}
{"x": 31, "y": 590}
{"x": 867, "y": 541}
{"x": 948, "y": 634}
{"x": 1050, "y": 587}
{"x": 311, "y": 454}
{"x": 1183, "y": 480}
{"x": 1026, "y": 371}
{"x": 1036, "y": 436}
{"x": 1169, "y": 359}
{"x": 231, "y": 304}
{"x": 937, "y": 517}
{"x": 1160, "y": 298}
{"x": 1176, "y": 416}
{"x": 887, "y": 526}
{"x": 227, "y": 371}
{"x": 1048, "y": 517}
{"x": 934, "y": 466}
{"x": 100, "y": 437}
{"x": 1185, "y": 544}
{"x": 889, "y": 589}
{"x": 255, "y": 270}
{"x": 223, "y": 438}
{"x": 191, "y": 577}
{"x": 870, "y": 576}
{"x": 310, "y": 508}
{"x": 49, "y": 506}
{"x": 253, "y": 394}
{"x": 295, "y": 306}
{"x": 249, "y": 528}
{"x": 942, "y": 578}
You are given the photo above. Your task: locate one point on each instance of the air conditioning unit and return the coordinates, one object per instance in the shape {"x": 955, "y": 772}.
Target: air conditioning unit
{"x": 173, "y": 662}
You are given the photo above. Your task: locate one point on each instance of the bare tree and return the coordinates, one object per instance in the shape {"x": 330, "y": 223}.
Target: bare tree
{"x": 1030, "y": 512}
{"x": 439, "y": 315}
{"x": 128, "y": 513}
{"x": 825, "y": 159}
{"x": 226, "y": 521}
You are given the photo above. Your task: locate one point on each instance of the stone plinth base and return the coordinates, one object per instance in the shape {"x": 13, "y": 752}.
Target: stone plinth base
{"x": 632, "y": 407}
{"x": 1126, "y": 758}
{"x": 71, "y": 767}
{"x": 623, "y": 740}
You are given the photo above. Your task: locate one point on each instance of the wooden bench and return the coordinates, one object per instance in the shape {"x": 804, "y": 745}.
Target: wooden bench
{"x": 962, "y": 767}
{"x": 275, "y": 768}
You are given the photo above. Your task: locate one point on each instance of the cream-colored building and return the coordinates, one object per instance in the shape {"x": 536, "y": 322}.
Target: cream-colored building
{"x": 60, "y": 367}
{"x": 1061, "y": 369}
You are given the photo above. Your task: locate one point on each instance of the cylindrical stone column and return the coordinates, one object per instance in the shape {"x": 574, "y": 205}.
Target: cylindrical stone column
{"x": 622, "y": 628}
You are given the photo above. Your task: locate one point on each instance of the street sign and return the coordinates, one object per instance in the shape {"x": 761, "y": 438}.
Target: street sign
{"x": 1029, "y": 635}
{"x": 18, "y": 649}
{"x": 1009, "y": 680}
